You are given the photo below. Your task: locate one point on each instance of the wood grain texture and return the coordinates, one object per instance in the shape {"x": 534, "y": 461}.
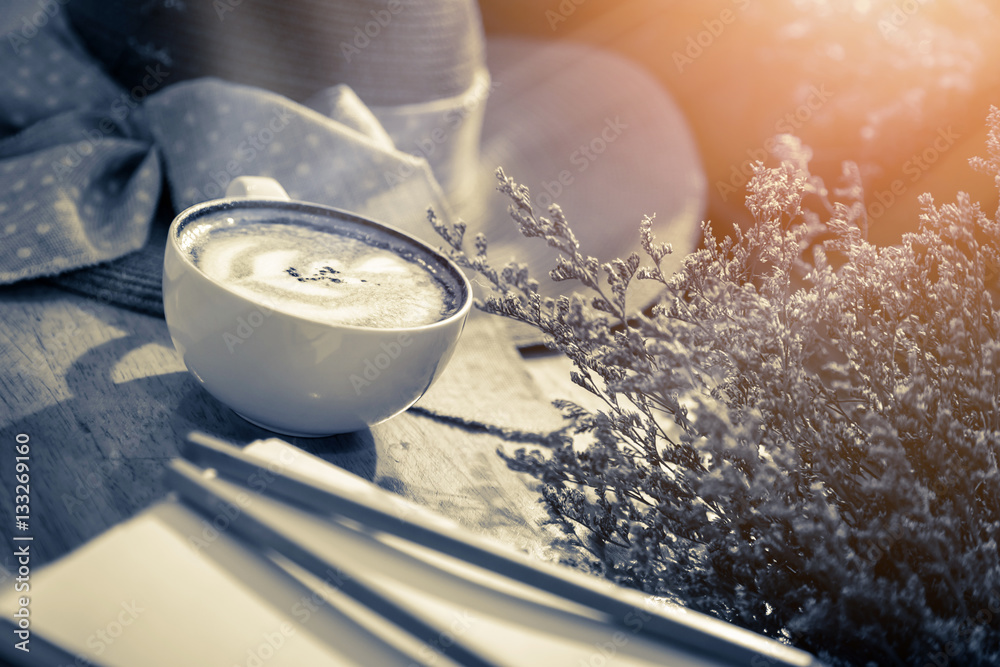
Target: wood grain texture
{"x": 106, "y": 401}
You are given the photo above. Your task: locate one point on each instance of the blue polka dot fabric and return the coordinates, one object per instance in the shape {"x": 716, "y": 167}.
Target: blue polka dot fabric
{"x": 83, "y": 160}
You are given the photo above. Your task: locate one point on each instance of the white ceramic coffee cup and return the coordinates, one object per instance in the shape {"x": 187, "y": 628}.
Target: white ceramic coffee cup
{"x": 290, "y": 374}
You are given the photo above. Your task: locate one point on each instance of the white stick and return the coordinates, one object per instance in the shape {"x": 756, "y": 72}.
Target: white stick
{"x": 366, "y": 503}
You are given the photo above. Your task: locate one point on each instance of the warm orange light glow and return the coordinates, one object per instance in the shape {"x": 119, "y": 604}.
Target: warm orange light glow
{"x": 909, "y": 86}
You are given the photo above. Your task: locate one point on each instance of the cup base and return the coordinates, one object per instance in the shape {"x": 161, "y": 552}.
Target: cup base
{"x": 291, "y": 434}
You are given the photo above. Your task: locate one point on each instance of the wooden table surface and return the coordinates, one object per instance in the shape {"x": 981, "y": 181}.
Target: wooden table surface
{"x": 106, "y": 401}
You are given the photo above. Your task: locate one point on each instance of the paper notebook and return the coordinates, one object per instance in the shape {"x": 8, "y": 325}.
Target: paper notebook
{"x": 174, "y": 587}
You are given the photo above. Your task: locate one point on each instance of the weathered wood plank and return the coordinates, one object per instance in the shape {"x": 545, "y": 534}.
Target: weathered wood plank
{"x": 106, "y": 401}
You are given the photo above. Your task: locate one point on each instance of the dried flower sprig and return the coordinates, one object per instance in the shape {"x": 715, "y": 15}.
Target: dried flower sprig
{"x": 803, "y": 437}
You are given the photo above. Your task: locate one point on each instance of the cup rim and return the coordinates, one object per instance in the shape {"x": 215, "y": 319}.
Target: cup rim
{"x": 234, "y": 203}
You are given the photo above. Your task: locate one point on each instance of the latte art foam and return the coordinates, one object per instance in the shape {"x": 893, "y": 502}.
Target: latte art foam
{"x": 323, "y": 276}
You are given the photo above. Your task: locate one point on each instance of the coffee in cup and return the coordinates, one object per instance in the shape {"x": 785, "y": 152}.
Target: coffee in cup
{"x": 305, "y": 319}
{"x": 312, "y": 270}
